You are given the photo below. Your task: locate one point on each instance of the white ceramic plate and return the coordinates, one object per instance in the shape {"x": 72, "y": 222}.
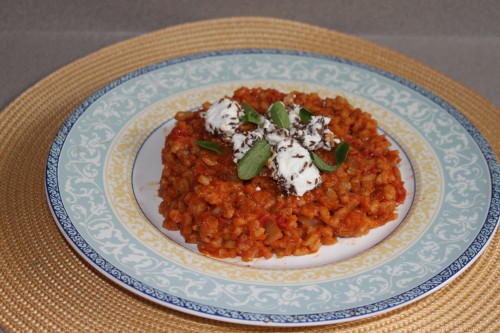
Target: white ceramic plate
{"x": 104, "y": 168}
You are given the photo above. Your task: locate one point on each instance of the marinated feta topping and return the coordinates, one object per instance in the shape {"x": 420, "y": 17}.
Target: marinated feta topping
{"x": 222, "y": 118}
{"x": 313, "y": 135}
{"x": 271, "y": 132}
{"x": 291, "y": 163}
{"x": 293, "y": 168}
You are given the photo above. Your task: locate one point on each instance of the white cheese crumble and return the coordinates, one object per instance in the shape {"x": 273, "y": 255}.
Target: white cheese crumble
{"x": 293, "y": 168}
{"x": 291, "y": 163}
{"x": 313, "y": 135}
{"x": 273, "y": 134}
{"x": 222, "y": 118}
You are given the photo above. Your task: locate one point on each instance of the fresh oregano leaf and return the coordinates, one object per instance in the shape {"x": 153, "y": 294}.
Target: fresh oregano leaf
{"x": 340, "y": 154}
{"x": 279, "y": 115}
{"x": 250, "y": 115}
{"x": 305, "y": 115}
{"x": 322, "y": 165}
{"x": 254, "y": 160}
{"x": 210, "y": 146}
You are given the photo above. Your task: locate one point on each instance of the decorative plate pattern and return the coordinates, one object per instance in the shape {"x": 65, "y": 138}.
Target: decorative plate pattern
{"x": 102, "y": 176}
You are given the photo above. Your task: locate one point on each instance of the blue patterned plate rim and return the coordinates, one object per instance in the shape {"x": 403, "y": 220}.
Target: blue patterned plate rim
{"x": 446, "y": 275}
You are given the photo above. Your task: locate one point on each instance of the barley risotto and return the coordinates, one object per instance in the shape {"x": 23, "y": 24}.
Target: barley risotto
{"x": 263, "y": 172}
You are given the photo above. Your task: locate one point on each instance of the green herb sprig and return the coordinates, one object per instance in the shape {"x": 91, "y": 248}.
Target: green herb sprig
{"x": 305, "y": 115}
{"x": 250, "y": 115}
{"x": 254, "y": 160}
{"x": 210, "y": 146}
{"x": 279, "y": 115}
{"x": 340, "y": 155}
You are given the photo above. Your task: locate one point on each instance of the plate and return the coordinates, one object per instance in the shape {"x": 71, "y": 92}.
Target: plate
{"x": 104, "y": 167}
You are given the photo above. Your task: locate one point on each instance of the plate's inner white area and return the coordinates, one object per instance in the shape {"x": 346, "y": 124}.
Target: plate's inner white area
{"x": 146, "y": 177}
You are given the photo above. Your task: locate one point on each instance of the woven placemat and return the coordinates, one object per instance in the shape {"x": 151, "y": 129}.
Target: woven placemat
{"x": 46, "y": 286}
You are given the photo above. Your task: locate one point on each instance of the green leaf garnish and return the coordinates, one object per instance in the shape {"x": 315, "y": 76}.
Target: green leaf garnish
{"x": 254, "y": 160}
{"x": 279, "y": 115}
{"x": 340, "y": 154}
{"x": 210, "y": 146}
{"x": 250, "y": 115}
{"x": 305, "y": 115}
{"x": 322, "y": 165}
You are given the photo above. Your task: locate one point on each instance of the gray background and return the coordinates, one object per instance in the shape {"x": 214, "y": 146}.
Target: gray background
{"x": 458, "y": 38}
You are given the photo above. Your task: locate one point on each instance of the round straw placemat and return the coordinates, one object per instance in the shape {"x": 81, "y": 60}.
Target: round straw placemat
{"x": 46, "y": 286}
